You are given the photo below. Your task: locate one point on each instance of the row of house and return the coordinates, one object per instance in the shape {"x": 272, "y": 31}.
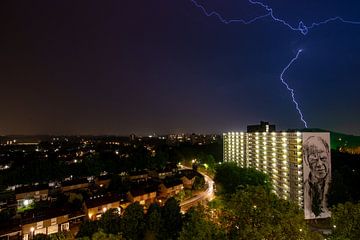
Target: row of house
{"x": 56, "y": 220}
{"x": 33, "y": 223}
{"x": 95, "y": 206}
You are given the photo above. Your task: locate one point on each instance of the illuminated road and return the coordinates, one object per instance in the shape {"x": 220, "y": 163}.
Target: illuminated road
{"x": 202, "y": 197}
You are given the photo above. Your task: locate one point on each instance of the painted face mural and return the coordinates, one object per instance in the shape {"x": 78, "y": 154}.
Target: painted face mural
{"x": 317, "y": 174}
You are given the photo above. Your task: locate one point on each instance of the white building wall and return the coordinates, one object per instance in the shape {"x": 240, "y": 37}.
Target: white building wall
{"x": 278, "y": 154}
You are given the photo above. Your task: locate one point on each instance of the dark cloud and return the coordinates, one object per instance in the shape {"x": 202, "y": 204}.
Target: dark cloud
{"x": 161, "y": 66}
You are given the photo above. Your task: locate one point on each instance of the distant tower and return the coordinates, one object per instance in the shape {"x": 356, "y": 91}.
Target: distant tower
{"x": 132, "y": 137}
{"x": 263, "y": 127}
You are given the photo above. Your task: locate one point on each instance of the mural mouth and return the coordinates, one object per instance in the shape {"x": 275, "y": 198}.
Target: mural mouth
{"x": 321, "y": 173}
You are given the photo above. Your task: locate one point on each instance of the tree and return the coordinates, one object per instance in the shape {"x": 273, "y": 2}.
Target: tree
{"x": 180, "y": 196}
{"x": 139, "y": 158}
{"x": 117, "y": 184}
{"x": 92, "y": 165}
{"x": 153, "y": 222}
{"x": 6, "y": 215}
{"x": 41, "y": 237}
{"x": 207, "y": 159}
{"x": 132, "y": 222}
{"x": 101, "y": 235}
{"x": 75, "y": 201}
{"x": 196, "y": 226}
{"x": 172, "y": 219}
{"x": 229, "y": 178}
{"x": 199, "y": 183}
{"x": 61, "y": 236}
{"x": 255, "y": 213}
{"x": 110, "y": 221}
{"x": 338, "y": 192}
{"x": 346, "y": 221}
{"x": 160, "y": 159}
{"x": 345, "y": 177}
{"x": 87, "y": 229}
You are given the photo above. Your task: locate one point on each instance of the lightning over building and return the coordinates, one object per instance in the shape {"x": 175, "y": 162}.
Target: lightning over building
{"x": 292, "y": 92}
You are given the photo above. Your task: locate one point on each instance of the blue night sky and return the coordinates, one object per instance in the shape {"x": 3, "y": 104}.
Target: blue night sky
{"x": 121, "y": 67}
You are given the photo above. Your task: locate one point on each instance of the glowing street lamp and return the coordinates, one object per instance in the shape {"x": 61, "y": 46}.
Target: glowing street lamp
{"x": 32, "y": 229}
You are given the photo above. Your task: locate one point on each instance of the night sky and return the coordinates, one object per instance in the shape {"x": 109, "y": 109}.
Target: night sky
{"x": 121, "y": 67}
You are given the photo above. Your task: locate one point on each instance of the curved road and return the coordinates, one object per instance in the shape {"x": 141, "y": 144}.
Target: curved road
{"x": 206, "y": 195}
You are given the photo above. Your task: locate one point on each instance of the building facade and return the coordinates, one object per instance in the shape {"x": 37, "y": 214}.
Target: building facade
{"x": 284, "y": 157}
{"x": 50, "y": 223}
{"x": 95, "y": 206}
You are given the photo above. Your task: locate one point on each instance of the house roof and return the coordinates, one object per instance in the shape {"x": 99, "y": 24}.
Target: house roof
{"x": 188, "y": 173}
{"x": 96, "y": 201}
{"x": 74, "y": 182}
{"x": 104, "y": 177}
{"x": 9, "y": 227}
{"x": 33, "y": 216}
{"x": 172, "y": 182}
{"x": 32, "y": 188}
{"x": 135, "y": 192}
{"x": 137, "y": 173}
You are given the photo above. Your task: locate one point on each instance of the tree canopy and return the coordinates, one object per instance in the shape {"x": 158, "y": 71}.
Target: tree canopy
{"x": 197, "y": 226}
{"x": 133, "y": 222}
{"x": 172, "y": 219}
{"x": 254, "y": 213}
{"x": 346, "y": 221}
{"x": 229, "y": 178}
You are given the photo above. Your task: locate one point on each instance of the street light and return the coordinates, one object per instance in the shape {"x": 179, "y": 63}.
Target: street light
{"x": 32, "y": 229}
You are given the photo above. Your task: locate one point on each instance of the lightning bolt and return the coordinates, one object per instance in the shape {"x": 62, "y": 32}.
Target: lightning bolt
{"x": 302, "y": 28}
{"x": 292, "y": 92}
{"x": 224, "y": 20}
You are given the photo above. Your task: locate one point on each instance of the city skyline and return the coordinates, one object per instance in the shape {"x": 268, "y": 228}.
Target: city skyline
{"x": 140, "y": 67}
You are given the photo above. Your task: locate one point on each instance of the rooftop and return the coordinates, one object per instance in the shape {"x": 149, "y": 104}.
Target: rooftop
{"x": 75, "y": 181}
{"x": 31, "y": 188}
{"x": 100, "y": 200}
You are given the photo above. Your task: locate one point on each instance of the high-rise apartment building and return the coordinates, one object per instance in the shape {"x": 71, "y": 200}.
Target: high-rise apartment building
{"x": 298, "y": 163}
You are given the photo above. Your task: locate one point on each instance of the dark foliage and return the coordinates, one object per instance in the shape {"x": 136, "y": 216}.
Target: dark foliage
{"x": 345, "y": 178}
{"x": 230, "y": 178}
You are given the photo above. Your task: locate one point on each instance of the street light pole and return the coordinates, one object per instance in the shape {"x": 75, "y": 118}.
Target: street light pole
{"x": 32, "y": 229}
